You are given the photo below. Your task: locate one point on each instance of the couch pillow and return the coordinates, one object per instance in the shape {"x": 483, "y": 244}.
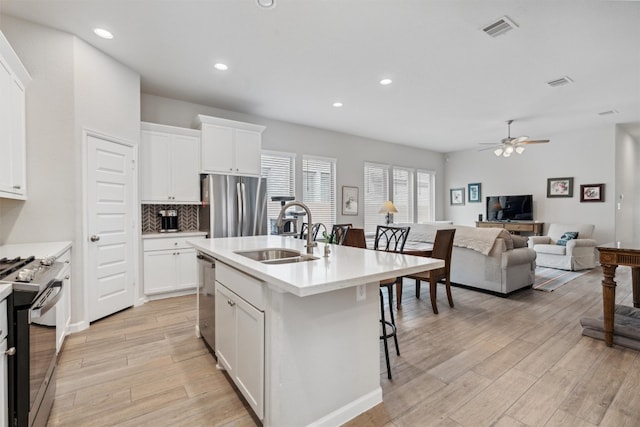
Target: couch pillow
{"x": 569, "y": 235}
{"x": 519, "y": 241}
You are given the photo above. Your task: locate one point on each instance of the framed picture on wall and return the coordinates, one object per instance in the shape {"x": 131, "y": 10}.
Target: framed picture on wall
{"x": 592, "y": 193}
{"x": 560, "y": 187}
{"x": 457, "y": 196}
{"x": 473, "y": 192}
{"x": 349, "y": 200}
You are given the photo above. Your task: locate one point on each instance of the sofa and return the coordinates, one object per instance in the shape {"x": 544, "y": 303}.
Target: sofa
{"x": 488, "y": 259}
{"x": 577, "y": 253}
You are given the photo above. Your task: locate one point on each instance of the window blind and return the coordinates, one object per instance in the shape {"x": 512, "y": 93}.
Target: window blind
{"x": 279, "y": 169}
{"x": 376, "y": 192}
{"x": 319, "y": 189}
{"x": 403, "y": 194}
{"x": 425, "y": 196}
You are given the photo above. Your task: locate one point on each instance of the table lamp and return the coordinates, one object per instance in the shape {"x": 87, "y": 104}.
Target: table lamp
{"x": 388, "y": 208}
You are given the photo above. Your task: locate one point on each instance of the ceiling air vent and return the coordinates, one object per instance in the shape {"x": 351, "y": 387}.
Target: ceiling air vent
{"x": 608, "y": 112}
{"x": 560, "y": 82}
{"x": 499, "y": 27}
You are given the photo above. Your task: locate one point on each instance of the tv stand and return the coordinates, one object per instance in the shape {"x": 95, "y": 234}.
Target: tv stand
{"x": 514, "y": 227}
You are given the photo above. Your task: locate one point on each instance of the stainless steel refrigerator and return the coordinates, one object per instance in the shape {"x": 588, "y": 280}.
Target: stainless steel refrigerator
{"x": 233, "y": 206}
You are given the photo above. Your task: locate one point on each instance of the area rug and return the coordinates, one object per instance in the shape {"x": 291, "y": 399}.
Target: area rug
{"x": 550, "y": 279}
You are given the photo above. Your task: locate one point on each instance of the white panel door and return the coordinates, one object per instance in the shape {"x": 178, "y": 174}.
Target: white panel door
{"x": 110, "y": 207}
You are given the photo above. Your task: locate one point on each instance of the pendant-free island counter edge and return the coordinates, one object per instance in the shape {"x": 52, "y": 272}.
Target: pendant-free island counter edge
{"x": 299, "y": 335}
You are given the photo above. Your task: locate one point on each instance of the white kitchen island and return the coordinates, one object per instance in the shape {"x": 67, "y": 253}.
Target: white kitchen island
{"x": 301, "y": 340}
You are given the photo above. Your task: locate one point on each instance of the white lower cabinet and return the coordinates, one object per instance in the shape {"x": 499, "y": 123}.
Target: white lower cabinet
{"x": 63, "y": 308}
{"x": 4, "y": 380}
{"x": 169, "y": 265}
{"x": 240, "y": 335}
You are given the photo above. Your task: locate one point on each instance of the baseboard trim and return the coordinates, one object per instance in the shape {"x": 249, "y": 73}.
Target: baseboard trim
{"x": 350, "y": 410}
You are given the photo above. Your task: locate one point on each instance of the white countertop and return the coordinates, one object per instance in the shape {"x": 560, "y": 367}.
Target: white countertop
{"x": 39, "y": 250}
{"x": 175, "y": 234}
{"x": 345, "y": 267}
{"x": 5, "y": 290}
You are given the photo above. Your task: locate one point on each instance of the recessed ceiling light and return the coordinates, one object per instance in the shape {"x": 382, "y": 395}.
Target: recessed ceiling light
{"x": 220, "y": 66}
{"x": 385, "y": 82}
{"x": 101, "y": 32}
{"x": 266, "y": 3}
{"x": 337, "y": 104}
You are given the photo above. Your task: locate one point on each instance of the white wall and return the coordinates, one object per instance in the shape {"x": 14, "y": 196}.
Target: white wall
{"x": 350, "y": 151}
{"x": 626, "y": 189}
{"x": 74, "y": 86}
{"x": 587, "y": 155}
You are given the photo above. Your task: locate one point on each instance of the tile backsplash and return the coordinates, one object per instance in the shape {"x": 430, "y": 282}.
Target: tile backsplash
{"x": 187, "y": 217}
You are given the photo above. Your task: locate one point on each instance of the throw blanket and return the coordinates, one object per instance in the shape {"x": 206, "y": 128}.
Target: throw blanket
{"x": 478, "y": 239}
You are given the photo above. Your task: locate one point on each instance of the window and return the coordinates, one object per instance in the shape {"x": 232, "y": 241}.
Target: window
{"x": 376, "y": 192}
{"x": 411, "y": 191}
{"x": 425, "y": 195}
{"x": 403, "y": 194}
{"x": 279, "y": 169}
{"x": 319, "y": 189}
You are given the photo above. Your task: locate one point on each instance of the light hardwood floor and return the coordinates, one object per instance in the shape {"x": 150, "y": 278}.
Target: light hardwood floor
{"x": 517, "y": 361}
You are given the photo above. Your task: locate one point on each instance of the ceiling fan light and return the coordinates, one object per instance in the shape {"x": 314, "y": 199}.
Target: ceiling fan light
{"x": 507, "y": 153}
{"x": 508, "y": 150}
{"x": 519, "y": 149}
{"x": 498, "y": 152}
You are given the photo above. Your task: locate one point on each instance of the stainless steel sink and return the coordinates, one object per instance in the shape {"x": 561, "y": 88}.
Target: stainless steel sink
{"x": 276, "y": 256}
{"x": 269, "y": 254}
{"x": 299, "y": 258}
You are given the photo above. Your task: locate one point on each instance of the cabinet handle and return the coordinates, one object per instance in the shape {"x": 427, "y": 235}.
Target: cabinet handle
{"x": 67, "y": 277}
{"x": 231, "y": 303}
{"x": 17, "y": 187}
{"x": 11, "y": 351}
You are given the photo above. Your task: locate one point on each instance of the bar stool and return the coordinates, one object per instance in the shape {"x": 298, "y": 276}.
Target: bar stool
{"x": 389, "y": 239}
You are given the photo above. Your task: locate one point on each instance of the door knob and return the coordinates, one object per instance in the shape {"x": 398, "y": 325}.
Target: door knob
{"x": 94, "y": 238}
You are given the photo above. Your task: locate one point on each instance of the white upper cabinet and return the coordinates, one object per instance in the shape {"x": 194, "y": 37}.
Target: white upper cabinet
{"x": 13, "y": 152}
{"x": 230, "y": 147}
{"x": 169, "y": 164}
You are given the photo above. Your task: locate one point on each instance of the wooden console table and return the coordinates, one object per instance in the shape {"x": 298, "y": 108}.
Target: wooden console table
{"x": 514, "y": 226}
{"x": 611, "y": 256}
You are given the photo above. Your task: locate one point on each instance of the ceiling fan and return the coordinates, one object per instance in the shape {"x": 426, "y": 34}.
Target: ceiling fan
{"x": 509, "y": 145}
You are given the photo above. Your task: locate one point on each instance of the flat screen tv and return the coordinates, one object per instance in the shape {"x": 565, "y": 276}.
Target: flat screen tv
{"x": 510, "y": 208}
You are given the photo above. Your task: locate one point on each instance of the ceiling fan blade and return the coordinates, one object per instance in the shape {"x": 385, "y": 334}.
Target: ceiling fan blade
{"x": 490, "y": 143}
{"x": 490, "y": 148}
{"x": 537, "y": 141}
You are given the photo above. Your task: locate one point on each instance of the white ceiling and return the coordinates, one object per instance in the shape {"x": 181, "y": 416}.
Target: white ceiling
{"x": 453, "y": 86}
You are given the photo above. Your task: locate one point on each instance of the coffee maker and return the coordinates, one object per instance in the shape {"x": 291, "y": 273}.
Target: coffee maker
{"x": 168, "y": 220}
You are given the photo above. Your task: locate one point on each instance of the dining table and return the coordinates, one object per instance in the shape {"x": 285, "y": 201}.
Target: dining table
{"x": 612, "y": 255}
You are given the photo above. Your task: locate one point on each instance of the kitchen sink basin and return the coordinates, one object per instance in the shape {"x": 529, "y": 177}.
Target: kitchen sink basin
{"x": 299, "y": 258}
{"x": 269, "y": 254}
{"x": 276, "y": 256}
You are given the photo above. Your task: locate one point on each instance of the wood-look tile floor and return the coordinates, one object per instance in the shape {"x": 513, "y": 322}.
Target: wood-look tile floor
{"x": 517, "y": 361}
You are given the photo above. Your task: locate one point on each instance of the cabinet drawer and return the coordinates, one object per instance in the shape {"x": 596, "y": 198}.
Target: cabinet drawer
{"x": 167, "y": 243}
{"x": 247, "y": 287}
{"x": 3, "y": 319}
{"x": 519, "y": 227}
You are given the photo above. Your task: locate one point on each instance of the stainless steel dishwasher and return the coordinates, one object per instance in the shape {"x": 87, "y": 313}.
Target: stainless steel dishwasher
{"x": 206, "y": 300}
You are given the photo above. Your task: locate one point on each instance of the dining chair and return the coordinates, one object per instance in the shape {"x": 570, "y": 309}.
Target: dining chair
{"x": 442, "y": 248}
{"x": 389, "y": 239}
{"x": 315, "y": 230}
{"x": 356, "y": 238}
{"x": 339, "y": 233}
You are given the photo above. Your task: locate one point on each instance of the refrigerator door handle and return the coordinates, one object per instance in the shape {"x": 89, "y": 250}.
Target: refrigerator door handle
{"x": 239, "y": 212}
{"x": 243, "y": 196}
